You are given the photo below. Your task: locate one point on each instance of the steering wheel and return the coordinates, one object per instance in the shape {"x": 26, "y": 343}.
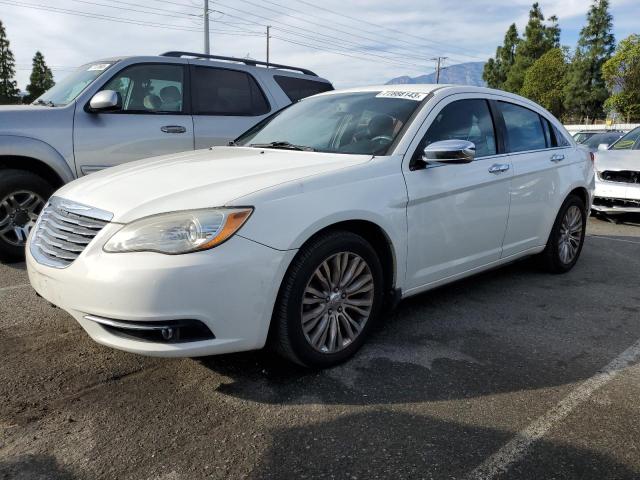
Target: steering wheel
{"x": 381, "y": 138}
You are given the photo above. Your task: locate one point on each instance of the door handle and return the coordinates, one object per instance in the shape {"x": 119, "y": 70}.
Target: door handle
{"x": 557, "y": 157}
{"x": 498, "y": 168}
{"x": 173, "y": 129}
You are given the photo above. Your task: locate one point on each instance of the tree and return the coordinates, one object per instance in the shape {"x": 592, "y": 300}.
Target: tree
{"x": 496, "y": 69}
{"x": 41, "y": 78}
{"x": 585, "y": 92}
{"x": 538, "y": 39}
{"x": 544, "y": 81}
{"x": 8, "y": 86}
{"x": 621, "y": 74}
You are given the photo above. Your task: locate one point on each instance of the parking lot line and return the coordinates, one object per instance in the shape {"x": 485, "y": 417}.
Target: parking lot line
{"x": 14, "y": 287}
{"x": 612, "y": 238}
{"x": 518, "y": 447}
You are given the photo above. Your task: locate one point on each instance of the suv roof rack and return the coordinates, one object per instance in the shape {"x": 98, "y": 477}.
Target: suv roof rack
{"x": 246, "y": 61}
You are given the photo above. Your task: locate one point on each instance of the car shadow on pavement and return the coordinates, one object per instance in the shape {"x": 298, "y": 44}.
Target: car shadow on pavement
{"x": 33, "y": 467}
{"x": 390, "y": 444}
{"x": 507, "y": 330}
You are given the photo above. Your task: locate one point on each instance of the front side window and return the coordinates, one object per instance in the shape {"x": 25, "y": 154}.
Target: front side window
{"x": 150, "y": 88}
{"x": 354, "y": 123}
{"x": 464, "y": 120}
{"x": 524, "y": 128}
{"x": 67, "y": 89}
{"x": 631, "y": 141}
{"x": 299, "y": 88}
{"x": 218, "y": 91}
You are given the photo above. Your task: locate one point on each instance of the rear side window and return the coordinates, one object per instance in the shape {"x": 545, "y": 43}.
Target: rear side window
{"x": 299, "y": 88}
{"x": 464, "y": 120}
{"x": 524, "y": 128}
{"x": 218, "y": 91}
{"x": 561, "y": 140}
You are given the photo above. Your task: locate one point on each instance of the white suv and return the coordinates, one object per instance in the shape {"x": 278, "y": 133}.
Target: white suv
{"x": 117, "y": 110}
{"x": 312, "y": 221}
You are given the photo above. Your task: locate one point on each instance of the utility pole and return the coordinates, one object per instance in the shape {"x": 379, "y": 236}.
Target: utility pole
{"x": 206, "y": 27}
{"x": 439, "y": 67}
{"x": 268, "y": 37}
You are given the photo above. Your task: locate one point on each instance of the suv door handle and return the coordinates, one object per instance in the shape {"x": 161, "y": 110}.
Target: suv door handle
{"x": 173, "y": 129}
{"x": 557, "y": 157}
{"x": 498, "y": 168}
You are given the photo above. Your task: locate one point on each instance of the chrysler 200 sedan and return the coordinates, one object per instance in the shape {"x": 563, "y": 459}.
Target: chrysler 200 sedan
{"x": 300, "y": 232}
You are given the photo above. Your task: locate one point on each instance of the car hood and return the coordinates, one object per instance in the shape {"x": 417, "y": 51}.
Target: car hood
{"x": 199, "y": 179}
{"x": 617, "y": 160}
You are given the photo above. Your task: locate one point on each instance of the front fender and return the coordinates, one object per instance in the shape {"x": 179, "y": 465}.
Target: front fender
{"x": 19, "y": 146}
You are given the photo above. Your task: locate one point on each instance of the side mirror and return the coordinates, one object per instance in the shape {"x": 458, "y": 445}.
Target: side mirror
{"x": 106, "y": 101}
{"x": 450, "y": 151}
{"x": 603, "y": 146}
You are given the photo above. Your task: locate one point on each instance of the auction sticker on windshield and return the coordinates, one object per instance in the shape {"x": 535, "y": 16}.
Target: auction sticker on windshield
{"x": 98, "y": 67}
{"x": 417, "y": 96}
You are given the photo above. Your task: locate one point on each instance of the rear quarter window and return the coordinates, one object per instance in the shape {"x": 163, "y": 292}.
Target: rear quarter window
{"x": 299, "y": 88}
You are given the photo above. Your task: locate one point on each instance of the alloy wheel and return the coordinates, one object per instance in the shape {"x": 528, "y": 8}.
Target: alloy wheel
{"x": 570, "y": 234}
{"x": 337, "y": 302}
{"x": 18, "y": 214}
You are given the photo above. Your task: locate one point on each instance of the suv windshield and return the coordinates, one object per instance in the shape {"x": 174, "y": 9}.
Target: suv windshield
{"x": 628, "y": 141}
{"x": 70, "y": 87}
{"x": 355, "y": 123}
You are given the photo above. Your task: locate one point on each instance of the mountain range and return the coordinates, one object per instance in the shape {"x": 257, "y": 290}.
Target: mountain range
{"x": 469, "y": 73}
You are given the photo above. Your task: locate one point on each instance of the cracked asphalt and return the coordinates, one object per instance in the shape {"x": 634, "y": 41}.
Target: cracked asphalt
{"x": 445, "y": 383}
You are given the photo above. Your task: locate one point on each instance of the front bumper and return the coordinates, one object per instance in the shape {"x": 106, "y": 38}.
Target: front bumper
{"x": 616, "y": 197}
{"x": 231, "y": 289}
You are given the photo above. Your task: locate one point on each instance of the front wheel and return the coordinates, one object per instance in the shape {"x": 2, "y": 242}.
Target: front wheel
{"x": 329, "y": 299}
{"x": 22, "y": 197}
{"x": 567, "y": 236}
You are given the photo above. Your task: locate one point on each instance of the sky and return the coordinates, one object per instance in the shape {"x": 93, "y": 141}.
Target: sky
{"x": 351, "y": 43}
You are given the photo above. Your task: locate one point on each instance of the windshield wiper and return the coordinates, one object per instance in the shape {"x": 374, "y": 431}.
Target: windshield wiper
{"x": 283, "y": 145}
{"x": 48, "y": 103}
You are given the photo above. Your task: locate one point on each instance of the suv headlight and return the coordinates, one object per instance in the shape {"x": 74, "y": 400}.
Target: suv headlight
{"x": 179, "y": 232}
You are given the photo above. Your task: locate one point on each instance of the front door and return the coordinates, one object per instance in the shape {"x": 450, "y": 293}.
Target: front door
{"x": 154, "y": 119}
{"x": 457, "y": 214}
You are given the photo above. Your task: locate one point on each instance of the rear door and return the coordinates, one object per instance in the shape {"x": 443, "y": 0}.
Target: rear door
{"x": 538, "y": 153}
{"x": 226, "y": 102}
{"x": 154, "y": 119}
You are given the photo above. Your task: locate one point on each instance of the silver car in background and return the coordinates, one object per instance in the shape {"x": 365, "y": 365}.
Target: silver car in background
{"x": 618, "y": 176}
{"x": 117, "y": 110}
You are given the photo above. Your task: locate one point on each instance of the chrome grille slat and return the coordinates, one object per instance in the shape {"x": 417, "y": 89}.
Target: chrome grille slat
{"x": 64, "y": 230}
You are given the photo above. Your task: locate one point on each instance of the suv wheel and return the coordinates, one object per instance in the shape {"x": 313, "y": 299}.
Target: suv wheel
{"x": 329, "y": 299}
{"x": 567, "y": 237}
{"x": 22, "y": 197}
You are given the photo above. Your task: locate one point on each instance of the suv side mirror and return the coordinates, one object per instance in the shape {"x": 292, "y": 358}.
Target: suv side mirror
{"x": 450, "y": 151}
{"x": 106, "y": 101}
{"x": 603, "y": 146}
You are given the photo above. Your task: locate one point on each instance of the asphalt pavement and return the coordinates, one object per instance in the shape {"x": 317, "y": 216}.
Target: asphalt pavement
{"x": 511, "y": 374}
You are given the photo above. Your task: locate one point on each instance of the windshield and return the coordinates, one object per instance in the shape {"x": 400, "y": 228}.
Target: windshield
{"x": 355, "y": 123}
{"x": 607, "y": 138}
{"x": 628, "y": 141}
{"x": 70, "y": 87}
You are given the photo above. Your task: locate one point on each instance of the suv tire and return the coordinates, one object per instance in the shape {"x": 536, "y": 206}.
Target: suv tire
{"x": 22, "y": 196}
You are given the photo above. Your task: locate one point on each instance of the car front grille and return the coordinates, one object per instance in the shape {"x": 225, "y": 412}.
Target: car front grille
{"x": 616, "y": 202}
{"x": 64, "y": 230}
{"x": 621, "y": 176}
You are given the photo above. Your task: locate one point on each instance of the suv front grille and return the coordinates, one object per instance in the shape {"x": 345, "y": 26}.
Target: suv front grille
{"x": 64, "y": 230}
{"x": 622, "y": 176}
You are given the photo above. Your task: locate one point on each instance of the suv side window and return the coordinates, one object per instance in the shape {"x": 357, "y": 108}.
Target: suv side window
{"x": 299, "y": 88}
{"x": 150, "y": 88}
{"x": 464, "y": 120}
{"x": 218, "y": 91}
{"x": 524, "y": 128}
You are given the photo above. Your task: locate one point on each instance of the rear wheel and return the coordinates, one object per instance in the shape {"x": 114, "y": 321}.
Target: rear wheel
{"x": 567, "y": 237}
{"x": 22, "y": 197}
{"x": 329, "y": 299}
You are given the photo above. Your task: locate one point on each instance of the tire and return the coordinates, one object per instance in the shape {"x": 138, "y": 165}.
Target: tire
{"x": 553, "y": 259}
{"x": 288, "y": 337}
{"x": 22, "y": 196}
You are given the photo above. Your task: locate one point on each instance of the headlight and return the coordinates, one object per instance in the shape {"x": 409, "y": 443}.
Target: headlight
{"x": 179, "y": 232}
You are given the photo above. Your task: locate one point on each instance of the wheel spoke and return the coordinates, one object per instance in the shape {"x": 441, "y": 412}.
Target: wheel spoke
{"x": 359, "y": 283}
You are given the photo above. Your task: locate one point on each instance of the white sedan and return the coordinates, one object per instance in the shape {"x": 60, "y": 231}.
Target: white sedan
{"x": 305, "y": 228}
